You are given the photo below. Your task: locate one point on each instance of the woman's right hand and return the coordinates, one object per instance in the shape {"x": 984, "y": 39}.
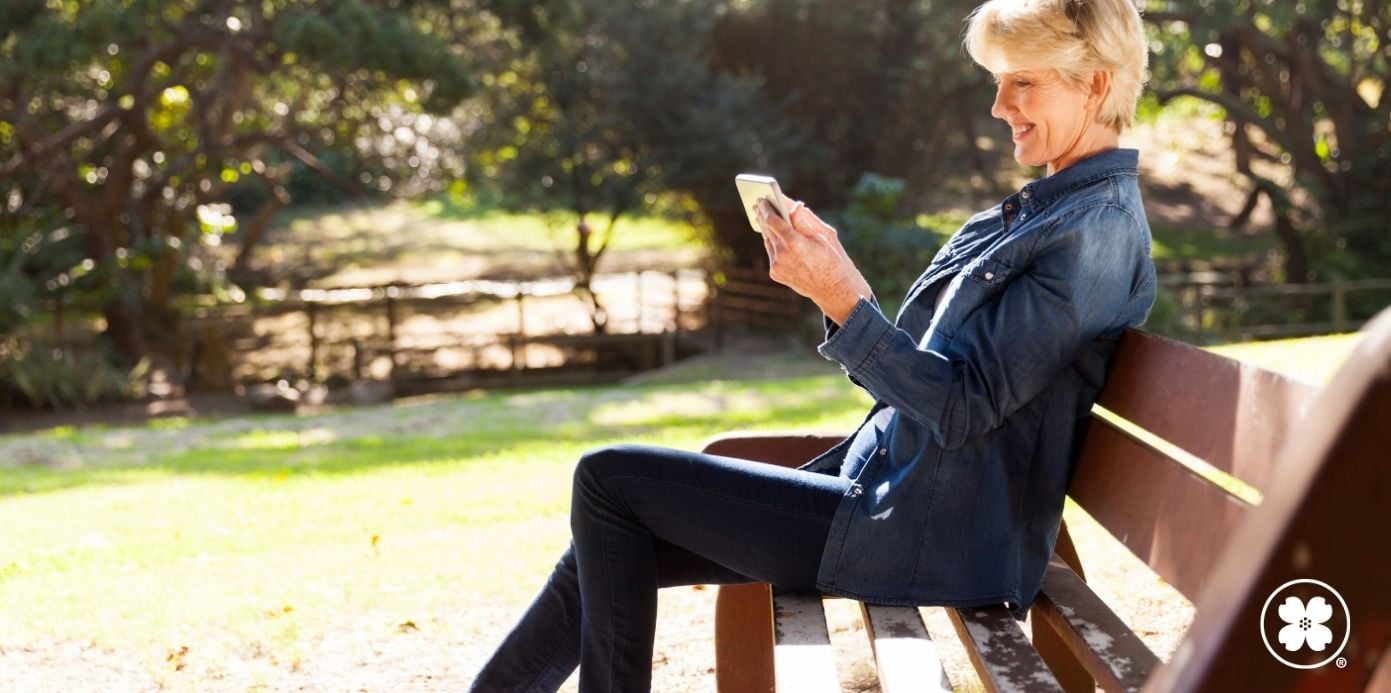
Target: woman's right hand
{"x": 806, "y": 256}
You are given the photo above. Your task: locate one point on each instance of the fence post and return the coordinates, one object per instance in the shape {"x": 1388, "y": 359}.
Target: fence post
{"x": 1340, "y": 305}
{"x": 676, "y": 301}
{"x": 312, "y": 310}
{"x": 637, "y": 299}
{"x": 519, "y": 363}
{"x": 391, "y": 331}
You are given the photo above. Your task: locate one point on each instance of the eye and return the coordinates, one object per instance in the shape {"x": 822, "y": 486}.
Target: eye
{"x": 1022, "y": 83}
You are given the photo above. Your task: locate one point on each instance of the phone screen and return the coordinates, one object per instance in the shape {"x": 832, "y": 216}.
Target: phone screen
{"x": 752, "y": 188}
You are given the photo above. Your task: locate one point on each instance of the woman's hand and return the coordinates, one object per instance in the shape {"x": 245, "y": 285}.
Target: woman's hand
{"x": 807, "y": 257}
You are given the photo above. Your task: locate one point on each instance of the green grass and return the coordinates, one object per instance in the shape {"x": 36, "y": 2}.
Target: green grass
{"x": 254, "y": 538}
{"x": 1311, "y": 359}
{"x": 542, "y": 231}
{"x": 261, "y": 534}
{"x": 1179, "y": 243}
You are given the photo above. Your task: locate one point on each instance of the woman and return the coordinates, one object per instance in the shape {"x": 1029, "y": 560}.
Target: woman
{"x": 951, "y": 490}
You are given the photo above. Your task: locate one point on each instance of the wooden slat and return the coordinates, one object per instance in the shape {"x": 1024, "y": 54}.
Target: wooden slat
{"x": 1167, "y": 515}
{"x": 1002, "y": 655}
{"x": 1324, "y": 518}
{"x": 904, "y": 653}
{"x": 1110, "y": 651}
{"x": 1233, "y": 416}
{"x": 803, "y": 659}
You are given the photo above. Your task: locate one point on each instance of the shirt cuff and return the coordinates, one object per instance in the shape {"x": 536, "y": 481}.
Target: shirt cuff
{"x": 863, "y": 335}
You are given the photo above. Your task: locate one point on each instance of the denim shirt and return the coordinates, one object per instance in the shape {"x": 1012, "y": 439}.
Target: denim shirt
{"x": 961, "y": 466}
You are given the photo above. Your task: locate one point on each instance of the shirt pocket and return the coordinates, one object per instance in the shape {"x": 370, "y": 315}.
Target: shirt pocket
{"x": 987, "y": 271}
{"x": 977, "y": 284}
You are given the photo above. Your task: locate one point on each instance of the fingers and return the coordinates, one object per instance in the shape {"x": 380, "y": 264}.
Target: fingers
{"x": 768, "y": 246}
{"x": 806, "y": 221}
{"x": 773, "y": 225}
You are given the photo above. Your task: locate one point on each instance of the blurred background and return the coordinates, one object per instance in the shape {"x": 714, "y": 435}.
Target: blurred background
{"x": 441, "y": 194}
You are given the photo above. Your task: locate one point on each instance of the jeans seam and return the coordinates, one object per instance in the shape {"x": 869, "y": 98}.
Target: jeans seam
{"x": 717, "y": 495}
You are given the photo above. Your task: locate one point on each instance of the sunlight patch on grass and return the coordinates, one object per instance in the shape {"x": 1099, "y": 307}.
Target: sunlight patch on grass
{"x": 1310, "y": 359}
{"x": 261, "y": 439}
{"x": 262, "y": 534}
{"x": 544, "y": 231}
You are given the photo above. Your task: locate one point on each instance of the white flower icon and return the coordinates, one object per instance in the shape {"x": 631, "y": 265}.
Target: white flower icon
{"x": 1305, "y": 624}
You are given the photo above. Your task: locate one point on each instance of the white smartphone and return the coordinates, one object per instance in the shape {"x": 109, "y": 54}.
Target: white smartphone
{"x": 752, "y": 188}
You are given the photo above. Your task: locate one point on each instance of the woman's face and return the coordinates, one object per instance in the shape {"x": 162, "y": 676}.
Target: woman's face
{"x": 1052, "y": 122}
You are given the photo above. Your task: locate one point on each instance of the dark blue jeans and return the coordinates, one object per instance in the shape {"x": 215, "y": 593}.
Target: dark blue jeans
{"x": 644, "y": 518}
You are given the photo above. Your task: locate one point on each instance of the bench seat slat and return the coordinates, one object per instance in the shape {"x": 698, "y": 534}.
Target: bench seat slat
{"x": 1167, "y": 515}
{"x": 1110, "y": 651}
{"x": 1231, "y": 415}
{"x": 1001, "y": 653}
{"x": 803, "y": 661}
{"x": 904, "y": 653}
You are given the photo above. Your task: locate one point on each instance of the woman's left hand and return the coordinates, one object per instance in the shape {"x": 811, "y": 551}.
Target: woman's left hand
{"x": 806, "y": 256}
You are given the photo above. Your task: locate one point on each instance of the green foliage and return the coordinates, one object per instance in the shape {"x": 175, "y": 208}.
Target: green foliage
{"x": 890, "y": 249}
{"x": 55, "y": 378}
{"x": 1304, "y": 84}
{"x": 125, "y": 118}
{"x": 40, "y": 261}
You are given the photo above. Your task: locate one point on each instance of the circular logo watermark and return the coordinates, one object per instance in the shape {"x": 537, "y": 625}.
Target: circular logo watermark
{"x": 1305, "y": 624}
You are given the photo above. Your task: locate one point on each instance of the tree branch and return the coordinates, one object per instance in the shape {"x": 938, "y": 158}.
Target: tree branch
{"x": 1236, "y": 110}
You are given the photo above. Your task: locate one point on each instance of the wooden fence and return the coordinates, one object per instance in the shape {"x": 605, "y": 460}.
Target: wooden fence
{"x": 744, "y": 299}
{"x": 1236, "y": 313}
{"x": 473, "y": 331}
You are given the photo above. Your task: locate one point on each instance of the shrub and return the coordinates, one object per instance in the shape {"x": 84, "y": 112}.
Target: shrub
{"x": 889, "y": 248}
{"x": 58, "y": 378}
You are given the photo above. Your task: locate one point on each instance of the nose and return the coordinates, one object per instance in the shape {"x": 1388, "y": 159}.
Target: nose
{"x": 1000, "y": 109}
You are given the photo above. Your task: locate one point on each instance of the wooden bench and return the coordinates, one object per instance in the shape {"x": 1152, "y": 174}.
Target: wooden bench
{"x": 1317, "y": 464}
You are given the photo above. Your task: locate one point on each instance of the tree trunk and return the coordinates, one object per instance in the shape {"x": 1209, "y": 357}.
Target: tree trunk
{"x": 1296, "y": 260}
{"x": 124, "y": 323}
{"x": 255, "y": 228}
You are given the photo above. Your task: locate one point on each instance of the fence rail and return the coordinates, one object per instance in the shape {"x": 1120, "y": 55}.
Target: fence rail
{"x": 1281, "y": 310}
{"x": 407, "y": 332}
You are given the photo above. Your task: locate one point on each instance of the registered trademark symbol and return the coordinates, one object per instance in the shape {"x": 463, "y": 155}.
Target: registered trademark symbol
{"x": 1341, "y": 663}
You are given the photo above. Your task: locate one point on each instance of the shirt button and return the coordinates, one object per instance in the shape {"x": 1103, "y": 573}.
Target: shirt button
{"x": 856, "y": 490}
{"x": 883, "y": 451}
{"x": 1009, "y": 208}
{"x": 989, "y": 276}
{"x": 1024, "y": 194}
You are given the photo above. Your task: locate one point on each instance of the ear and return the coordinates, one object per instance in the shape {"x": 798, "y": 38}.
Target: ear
{"x": 1100, "y": 87}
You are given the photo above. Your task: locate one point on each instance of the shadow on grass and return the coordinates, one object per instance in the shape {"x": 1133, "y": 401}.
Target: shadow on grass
{"x": 460, "y": 432}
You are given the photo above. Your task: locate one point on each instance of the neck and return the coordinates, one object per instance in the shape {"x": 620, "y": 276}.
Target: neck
{"x": 1092, "y": 141}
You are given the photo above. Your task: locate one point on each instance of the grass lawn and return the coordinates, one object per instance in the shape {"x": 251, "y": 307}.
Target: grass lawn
{"x": 226, "y": 553}
{"x": 352, "y": 549}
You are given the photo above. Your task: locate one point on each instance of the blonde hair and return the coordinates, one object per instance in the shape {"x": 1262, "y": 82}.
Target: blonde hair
{"x": 1074, "y": 37}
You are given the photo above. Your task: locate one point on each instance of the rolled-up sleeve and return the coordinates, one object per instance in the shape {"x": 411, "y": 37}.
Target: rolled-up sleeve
{"x": 1083, "y": 272}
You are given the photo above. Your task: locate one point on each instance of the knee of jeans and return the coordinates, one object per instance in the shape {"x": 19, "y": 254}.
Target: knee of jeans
{"x": 599, "y": 464}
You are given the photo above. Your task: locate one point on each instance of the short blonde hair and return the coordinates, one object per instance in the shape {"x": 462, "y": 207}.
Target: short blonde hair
{"x": 1074, "y": 37}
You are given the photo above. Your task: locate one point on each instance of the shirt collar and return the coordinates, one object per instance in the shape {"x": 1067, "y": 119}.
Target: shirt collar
{"x": 1045, "y": 191}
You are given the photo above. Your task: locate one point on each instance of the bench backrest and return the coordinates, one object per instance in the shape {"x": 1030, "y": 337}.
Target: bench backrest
{"x": 1321, "y": 462}
{"x": 1186, "y": 412}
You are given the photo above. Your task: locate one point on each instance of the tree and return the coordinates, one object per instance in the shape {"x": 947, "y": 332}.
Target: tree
{"x": 608, "y": 105}
{"x": 1304, "y": 87}
{"x": 880, "y": 86}
{"x": 126, "y": 118}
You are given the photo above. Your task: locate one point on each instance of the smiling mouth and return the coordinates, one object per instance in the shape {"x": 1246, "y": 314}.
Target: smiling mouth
{"x": 1021, "y": 131}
